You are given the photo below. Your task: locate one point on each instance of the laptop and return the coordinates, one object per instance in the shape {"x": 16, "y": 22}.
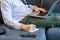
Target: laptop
{"x": 40, "y": 15}
{"x": 44, "y": 15}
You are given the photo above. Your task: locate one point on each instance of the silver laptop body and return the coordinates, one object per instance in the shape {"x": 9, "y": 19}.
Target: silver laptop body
{"x": 34, "y": 14}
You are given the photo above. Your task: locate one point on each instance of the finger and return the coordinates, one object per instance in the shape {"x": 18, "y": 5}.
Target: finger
{"x": 37, "y": 11}
{"x": 33, "y": 26}
{"x": 43, "y": 10}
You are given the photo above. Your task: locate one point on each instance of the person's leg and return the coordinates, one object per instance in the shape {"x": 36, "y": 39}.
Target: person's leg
{"x": 47, "y": 22}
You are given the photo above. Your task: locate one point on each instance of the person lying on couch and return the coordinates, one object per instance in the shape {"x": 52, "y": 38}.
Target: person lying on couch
{"x": 15, "y": 11}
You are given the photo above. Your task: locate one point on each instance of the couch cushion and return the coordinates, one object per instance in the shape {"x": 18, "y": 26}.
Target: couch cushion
{"x": 42, "y": 3}
{"x": 12, "y": 34}
{"x": 34, "y": 2}
{"x": 1, "y": 19}
{"x": 57, "y": 7}
{"x": 53, "y": 34}
{"x": 47, "y": 4}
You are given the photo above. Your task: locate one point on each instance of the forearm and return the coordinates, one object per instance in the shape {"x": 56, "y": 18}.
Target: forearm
{"x": 12, "y": 23}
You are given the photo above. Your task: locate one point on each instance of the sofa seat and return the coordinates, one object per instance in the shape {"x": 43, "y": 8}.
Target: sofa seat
{"x": 53, "y": 33}
{"x": 12, "y": 34}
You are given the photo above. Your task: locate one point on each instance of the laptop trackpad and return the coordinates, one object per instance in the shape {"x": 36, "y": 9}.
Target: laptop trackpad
{"x": 33, "y": 14}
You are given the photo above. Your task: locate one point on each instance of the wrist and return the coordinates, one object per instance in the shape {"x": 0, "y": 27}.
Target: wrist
{"x": 21, "y": 27}
{"x": 34, "y": 8}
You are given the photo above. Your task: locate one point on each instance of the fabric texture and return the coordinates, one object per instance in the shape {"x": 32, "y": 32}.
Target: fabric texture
{"x": 14, "y": 11}
{"x": 53, "y": 33}
{"x": 40, "y": 22}
{"x": 1, "y": 18}
{"x": 12, "y": 34}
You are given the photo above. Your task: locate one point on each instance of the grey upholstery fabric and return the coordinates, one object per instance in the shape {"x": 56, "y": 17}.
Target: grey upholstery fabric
{"x": 53, "y": 34}
{"x": 34, "y": 2}
{"x": 12, "y": 34}
{"x": 42, "y": 3}
{"x": 57, "y": 7}
{"x": 1, "y": 19}
{"x": 47, "y": 4}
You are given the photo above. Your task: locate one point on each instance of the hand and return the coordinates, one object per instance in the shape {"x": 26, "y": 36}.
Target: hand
{"x": 36, "y": 9}
{"x": 28, "y": 27}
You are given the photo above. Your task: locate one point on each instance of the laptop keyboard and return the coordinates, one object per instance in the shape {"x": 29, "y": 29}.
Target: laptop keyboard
{"x": 42, "y": 14}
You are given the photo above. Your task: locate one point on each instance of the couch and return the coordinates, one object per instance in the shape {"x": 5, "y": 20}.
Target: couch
{"x": 52, "y": 33}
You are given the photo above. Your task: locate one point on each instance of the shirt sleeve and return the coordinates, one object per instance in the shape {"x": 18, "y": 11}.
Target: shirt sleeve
{"x": 7, "y": 15}
{"x": 31, "y": 6}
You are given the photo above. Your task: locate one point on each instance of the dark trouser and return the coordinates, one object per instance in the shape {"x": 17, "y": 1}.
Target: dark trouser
{"x": 39, "y": 22}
